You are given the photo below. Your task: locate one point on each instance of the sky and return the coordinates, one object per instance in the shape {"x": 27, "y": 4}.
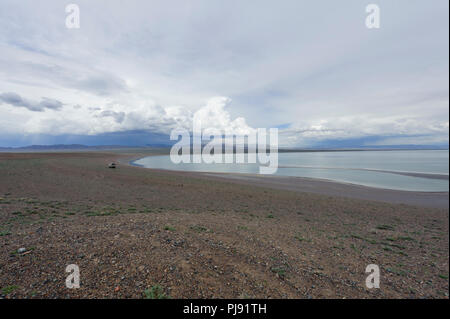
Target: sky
{"x": 136, "y": 70}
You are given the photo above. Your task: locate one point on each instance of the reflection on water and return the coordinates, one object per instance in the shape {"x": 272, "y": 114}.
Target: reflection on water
{"x": 369, "y": 168}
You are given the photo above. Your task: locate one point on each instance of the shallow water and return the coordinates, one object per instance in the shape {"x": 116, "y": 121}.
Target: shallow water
{"x": 381, "y": 169}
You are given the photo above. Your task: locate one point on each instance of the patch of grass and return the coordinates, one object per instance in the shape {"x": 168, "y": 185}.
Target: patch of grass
{"x": 385, "y": 227}
{"x": 270, "y": 216}
{"x": 69, "y": 213}
{"x": 108, "y": 213}
{"x": 300, "y": 238}
{"x": 155, "y": 292}
{"x": 406, "y": 238}
{"x": 103, "y": 213}
{"x": 5, "y": 233}
{"x": 281, "y": 272}
{"x": 170, "y": 228}
{"x": 371, "y": 241}
{"x": 396, "y": 271}
{"x": 9, "y": 289}
{"x": 244, "y": 295}
{"x": 198, "y": 228}
{"x": 242, "y": 227}
{"x": 443, "y": 276}
{"x": 91, "y": 213}
{"x": 394, "y": 245}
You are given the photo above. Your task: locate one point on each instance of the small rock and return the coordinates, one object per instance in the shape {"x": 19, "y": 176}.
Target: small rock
{"x": 21, "y": 250}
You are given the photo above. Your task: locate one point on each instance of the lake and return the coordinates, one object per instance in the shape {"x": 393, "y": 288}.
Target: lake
{"x": 411, "y": 170}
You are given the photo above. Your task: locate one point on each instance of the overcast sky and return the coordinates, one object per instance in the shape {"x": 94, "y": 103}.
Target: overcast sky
{"x": 311, "y": 68}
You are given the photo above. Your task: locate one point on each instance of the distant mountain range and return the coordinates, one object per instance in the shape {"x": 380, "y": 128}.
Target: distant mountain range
{"x": 62, "y": 147}
{"x": 68, "y": 147}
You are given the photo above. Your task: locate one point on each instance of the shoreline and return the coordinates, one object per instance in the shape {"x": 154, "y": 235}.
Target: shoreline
{"x": 441, "y": 176}
{"x": 320, "y": 186}
{"x": 205, "y": 235}
{"x": 346, "y": 190}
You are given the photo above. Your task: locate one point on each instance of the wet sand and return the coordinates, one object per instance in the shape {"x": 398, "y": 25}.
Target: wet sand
{"x": 413, "y": 174}
{"x": 330, "y": 188}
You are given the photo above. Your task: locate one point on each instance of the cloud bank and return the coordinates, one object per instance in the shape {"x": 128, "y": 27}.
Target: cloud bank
{"x": 312, "y": 69}
{"x": 16, "y": 100}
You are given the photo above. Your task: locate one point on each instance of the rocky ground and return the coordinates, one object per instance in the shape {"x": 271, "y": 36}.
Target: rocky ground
{"x": 140, "y": 233}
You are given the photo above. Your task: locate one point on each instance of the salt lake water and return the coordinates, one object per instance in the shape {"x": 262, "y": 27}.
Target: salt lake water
{"x": 381, "y": 169}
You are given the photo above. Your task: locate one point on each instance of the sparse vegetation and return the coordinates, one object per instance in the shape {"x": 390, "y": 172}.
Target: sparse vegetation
{"x": 396, "y": 271}
{"x": 281, "y": 272}
{"x": 306, "y": 239}
{"x": 300, "y": 238}
{"x": 385, "y": 227}
{"x": 9, "y": 289}
{"x": 198, "y": 228}
{"x": 4, "y": 233}
{"x": 155, "y": 292}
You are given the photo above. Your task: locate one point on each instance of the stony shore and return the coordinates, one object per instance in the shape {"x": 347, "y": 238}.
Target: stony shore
{"x": 137, "y": 233}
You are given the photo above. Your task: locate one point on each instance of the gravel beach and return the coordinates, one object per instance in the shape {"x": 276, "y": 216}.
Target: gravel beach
{"x": 133, "y": 231}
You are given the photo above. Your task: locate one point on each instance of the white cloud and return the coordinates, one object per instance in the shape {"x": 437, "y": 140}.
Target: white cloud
{"x": 214, "y": 117}
{"x": 150, "y": 65}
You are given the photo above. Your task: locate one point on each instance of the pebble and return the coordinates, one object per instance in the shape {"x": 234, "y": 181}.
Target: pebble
{"x": 21, "y": 250}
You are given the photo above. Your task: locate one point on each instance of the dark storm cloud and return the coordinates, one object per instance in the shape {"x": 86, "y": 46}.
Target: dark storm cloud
{"x": 117, "y": 116}
{"x": 16, "y": 100}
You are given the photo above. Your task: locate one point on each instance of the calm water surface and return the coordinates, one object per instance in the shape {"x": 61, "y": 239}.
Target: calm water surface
{"x": 382, "y": 169}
